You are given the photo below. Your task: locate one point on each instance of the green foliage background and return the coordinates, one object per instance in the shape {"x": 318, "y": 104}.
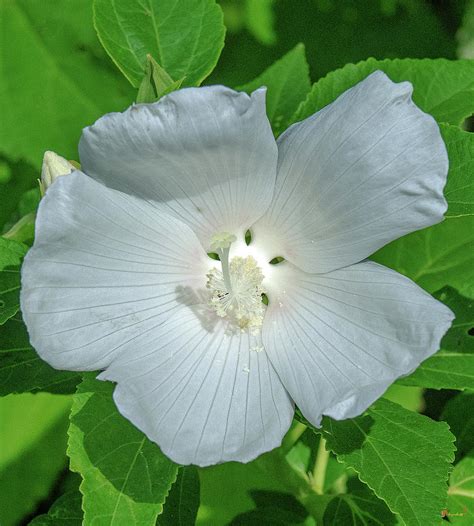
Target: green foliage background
{"x": 66, "y": 455}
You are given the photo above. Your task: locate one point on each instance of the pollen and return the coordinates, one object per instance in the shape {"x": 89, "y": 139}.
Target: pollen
{"x": 238, "y": 297}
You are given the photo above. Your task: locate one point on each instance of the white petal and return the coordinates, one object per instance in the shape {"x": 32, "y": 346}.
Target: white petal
{"x": 338, "y": 340}
{"x": 363, "y": 171}
{"x": 208, "y": 153}
{"x": 105, "y": 268}
{"x": 201, "y": 393}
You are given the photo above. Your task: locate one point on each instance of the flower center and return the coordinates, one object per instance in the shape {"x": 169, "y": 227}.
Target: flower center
{"x": 236, "y": 290}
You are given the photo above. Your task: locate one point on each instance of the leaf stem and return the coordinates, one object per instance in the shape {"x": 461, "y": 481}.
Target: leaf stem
{"x": 23, "y": 230}
{"x": 320, "y": 466}
{"x": 290, "y": 439}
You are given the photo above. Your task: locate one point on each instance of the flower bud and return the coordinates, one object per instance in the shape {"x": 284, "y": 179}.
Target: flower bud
{"x": 54, "y": 166}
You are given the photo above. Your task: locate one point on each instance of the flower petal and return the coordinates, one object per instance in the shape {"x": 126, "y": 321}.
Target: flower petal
{"x": 338, "y": 340}
{"x": 200, "y": 392}
{"x": 105, "y": 268}
{"x": 363, "y": 171}
{"x": 208, "y": 153}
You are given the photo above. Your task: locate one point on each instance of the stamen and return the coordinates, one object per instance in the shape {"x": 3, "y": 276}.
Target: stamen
{"x": 236, "y": 290}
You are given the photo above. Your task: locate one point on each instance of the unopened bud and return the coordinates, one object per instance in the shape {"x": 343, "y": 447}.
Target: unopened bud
{"x": 54, "y": 166}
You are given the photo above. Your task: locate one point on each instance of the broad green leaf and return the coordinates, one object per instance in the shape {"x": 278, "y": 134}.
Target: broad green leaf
{"x": 125, "y": 476}
{"x": 437, "y": 256}
{"x": 185, "y": 37}
{"x": 358, "y": 507}
{"x": 288, "y": 83}
{"x": 452, "y": 367}
{"x": 459, "y": 414}
{"x": 260, "y": 20}
{"x": 442, "y": 254}
{"x": 55, "y": 78}
{"x": 443, "y": 88}
{"x": 460, "y": 507}
{"x": 182, "y": 503}
{"x": 22, "y": 370}
{"x": 402, "y": 456}
{"x": 11, "y": 254}
{"x": 459, "y": 190}
{"x": 66, "y": 511}
{"x": 9, "y": 292}
{"x": 32, "y": 452}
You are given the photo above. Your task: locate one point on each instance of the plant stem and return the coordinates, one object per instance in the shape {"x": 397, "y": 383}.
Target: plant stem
{"x": 320, "y": 466}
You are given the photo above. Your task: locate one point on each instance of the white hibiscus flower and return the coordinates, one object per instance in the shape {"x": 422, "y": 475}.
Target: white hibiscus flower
{"x": 119, "y": 278}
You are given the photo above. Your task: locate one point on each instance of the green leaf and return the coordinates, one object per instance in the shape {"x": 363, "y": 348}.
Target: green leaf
{"x": 441, "y": 87}
{"x": 66, "y": 510}
{"x": 181, "y": 505}
{"x": 435, "y": 257}
{"x": 453, "y": 366}
{"x": 358, "y": 507}
{"x": 32, "y": 453}
{"x": 125, "y": 476}
{"x": 22, "y": 370}
{"x": 442, "y": 254}
{"x": 402, "y": 456}
{"x": 260, "y": 20}
{"x": 459, "y": 414}
{"x": 54, "y": 80}
{"x": 459, "y": 190}
{"x": 185, "y": 37}
{"x": 11, "y": 254}
{"x": 156, "y": 83}
{"x": 460, "y": 507}
{"x": 288, "y": 84}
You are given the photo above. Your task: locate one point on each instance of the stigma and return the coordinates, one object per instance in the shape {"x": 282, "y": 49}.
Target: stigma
{"x": 235, "y": 290}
